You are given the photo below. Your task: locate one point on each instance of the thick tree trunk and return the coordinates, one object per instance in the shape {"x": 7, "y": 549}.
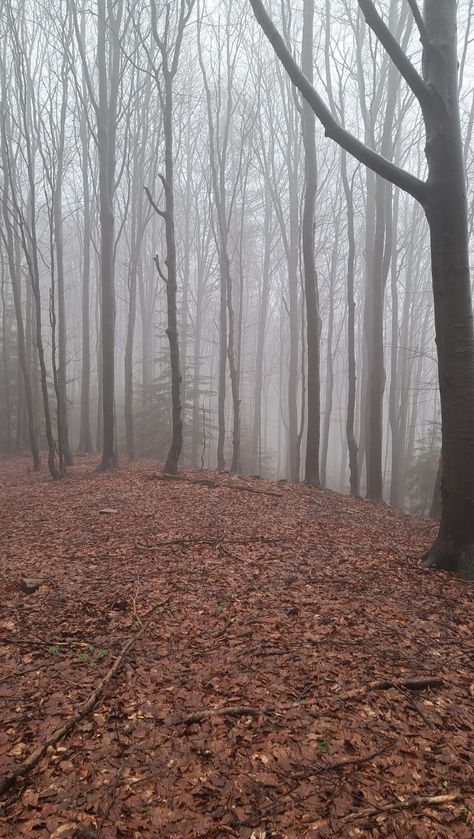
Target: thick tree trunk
{"x": 446, "y": 211}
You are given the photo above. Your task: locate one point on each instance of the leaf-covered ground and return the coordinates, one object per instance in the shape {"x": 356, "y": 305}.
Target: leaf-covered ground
{"x": 266, "y": 693}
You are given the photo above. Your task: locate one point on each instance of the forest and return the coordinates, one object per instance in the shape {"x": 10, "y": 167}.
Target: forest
{"x": 236, "y": 418}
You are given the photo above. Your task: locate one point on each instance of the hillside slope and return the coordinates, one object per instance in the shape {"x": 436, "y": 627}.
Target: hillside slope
{"x": 293, "y": 672}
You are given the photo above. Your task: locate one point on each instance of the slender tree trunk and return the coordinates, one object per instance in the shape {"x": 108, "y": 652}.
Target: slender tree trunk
{"x": 329, "y": 360}
{"x": 171, "y": 465}
{"x": 85, "y": 438}
{"x": 63, "y": 430}
{"x": 351, "y": 396}
{"x": 310, "y": 277}
{"x": 394, "y": 389}
{"x": 261, "y": 327}
{"x": 14, "y": 270}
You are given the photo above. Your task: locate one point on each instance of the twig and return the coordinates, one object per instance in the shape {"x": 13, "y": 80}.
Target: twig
{"x": 312, "y": 772}
{"x": 340, "y": 764}
{"x": 134, "y": 612}
{"x": 405, "y": 804}
{"x": 24, "y": 768}
{"x": 111, "y": 800}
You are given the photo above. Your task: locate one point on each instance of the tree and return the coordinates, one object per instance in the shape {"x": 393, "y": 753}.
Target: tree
{"x": 443, "y": 197}
{"x": 8, "y": 239}
{"x": 106, "y": 106}
{"x": 310, "y": 276}
{"x": 169, "y": 44}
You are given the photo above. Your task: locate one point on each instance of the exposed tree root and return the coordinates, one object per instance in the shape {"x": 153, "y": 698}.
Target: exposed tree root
{"x": 34, "y": 758}
{"x": 447, "y": 556}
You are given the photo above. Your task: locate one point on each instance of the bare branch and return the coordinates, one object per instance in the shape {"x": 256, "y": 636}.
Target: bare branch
{"x": 418, "y": 20}
{"x": 153, "y": 204}
{"x": 159, "y": 269}
{"x": 380, "y": 165}
{"x": 399, "y": 58}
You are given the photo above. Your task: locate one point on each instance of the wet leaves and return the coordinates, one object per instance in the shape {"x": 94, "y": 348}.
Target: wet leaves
{"x": 295, "y": 605}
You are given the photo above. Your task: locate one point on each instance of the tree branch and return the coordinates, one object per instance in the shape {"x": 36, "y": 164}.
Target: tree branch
{"x": 159, "y": 269}
{"x": 153, "y": 204}
{"x": 399, "y": 58}
{"x": 418, "y": 20}
{"x": 397, "y": 176}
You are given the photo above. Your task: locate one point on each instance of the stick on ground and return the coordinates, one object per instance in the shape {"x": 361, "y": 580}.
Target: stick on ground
{"x": 34, "y": 758}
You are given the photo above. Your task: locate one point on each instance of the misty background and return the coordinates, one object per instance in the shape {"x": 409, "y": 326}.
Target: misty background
{"x": 83, "y": 98}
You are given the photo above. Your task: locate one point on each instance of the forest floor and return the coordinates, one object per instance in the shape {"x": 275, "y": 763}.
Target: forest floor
{"x": 289, "y": 669}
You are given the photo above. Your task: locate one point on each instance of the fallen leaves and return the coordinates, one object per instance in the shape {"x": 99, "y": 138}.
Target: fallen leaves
{"x": 300, "y": 674}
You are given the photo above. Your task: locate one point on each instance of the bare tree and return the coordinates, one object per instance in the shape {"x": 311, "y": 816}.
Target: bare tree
{"x": 443, "y": 197}
{"x": 107, "y": 107}
{"x": 8, "y": 238}
{"x": 169, "y": 42}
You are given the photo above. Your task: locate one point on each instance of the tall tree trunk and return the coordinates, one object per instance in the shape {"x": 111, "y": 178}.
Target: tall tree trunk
{"x": 63, "y": 430}
{"x": 85, "y": 438}
{"x": 15, "y": 277}
{"x": 446, "y": 210}
{"x": 310, "y": 277}
{"x": 351, "y": 395}
{"x": 329, "y": 359}
{"x": 171, "y": 465}
{"x": 256, "y": 450}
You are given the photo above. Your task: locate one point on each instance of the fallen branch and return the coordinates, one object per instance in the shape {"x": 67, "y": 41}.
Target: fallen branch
{"x": 410, "y": 684}
{"x": 34, "y": 758}
{"x": 230, "y": 711}
{"x": 206, "y": 482}
{"x": 209, "y": 541}
{"x": 405, "y": 804}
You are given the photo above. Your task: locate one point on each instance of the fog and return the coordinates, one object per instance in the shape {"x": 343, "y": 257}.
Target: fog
{"x": 155, "y": 182}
